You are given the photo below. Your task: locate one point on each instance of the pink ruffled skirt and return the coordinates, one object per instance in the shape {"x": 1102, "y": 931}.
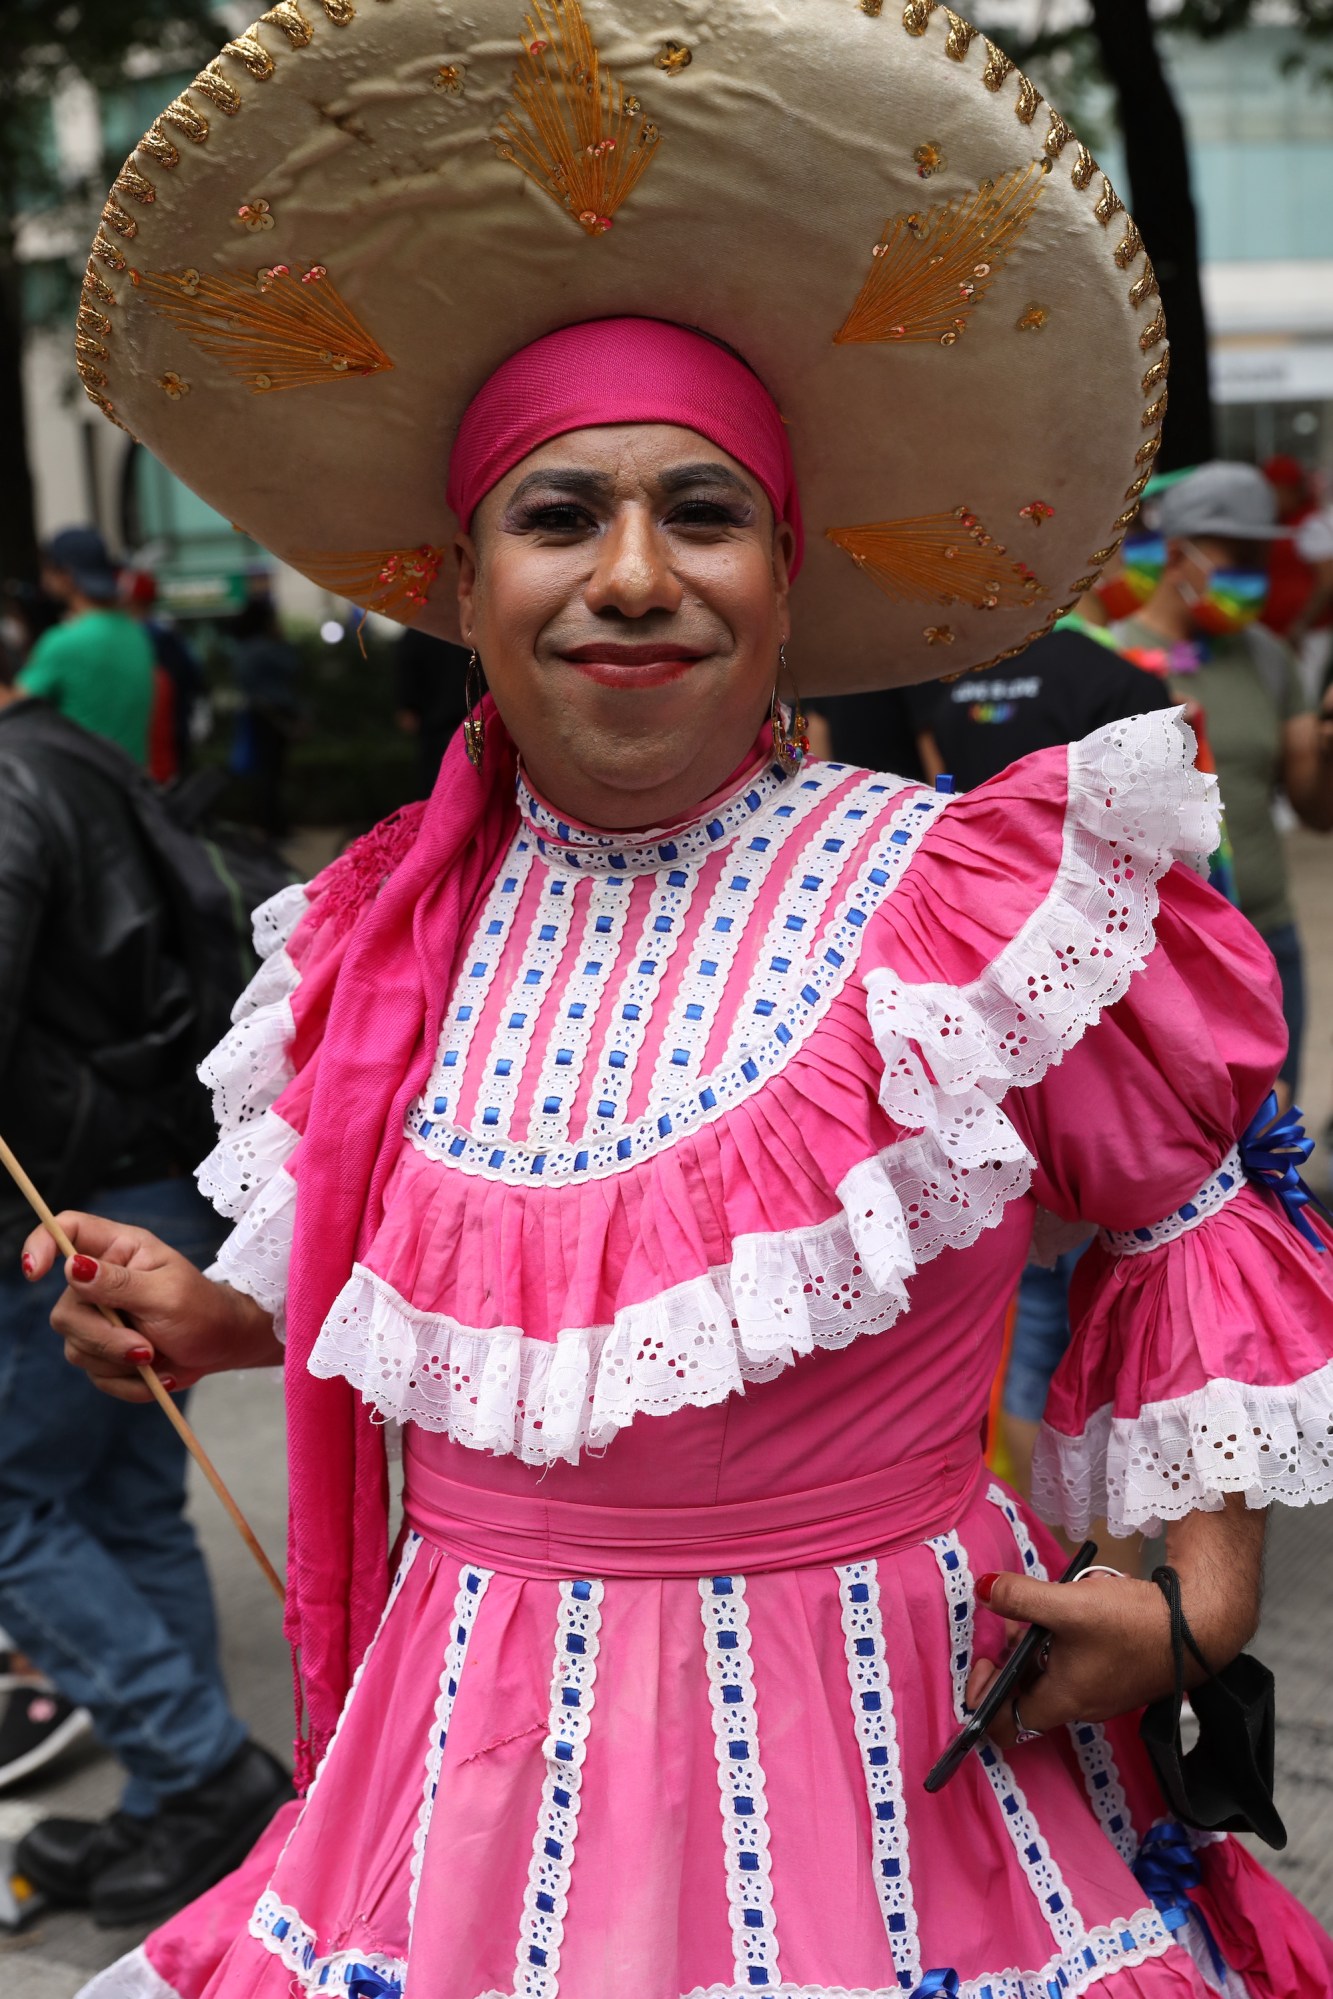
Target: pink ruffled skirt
{"x": 595, "y": 1753}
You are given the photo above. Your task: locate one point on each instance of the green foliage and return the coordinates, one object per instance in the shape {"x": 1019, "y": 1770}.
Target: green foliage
{"x": 1067, "y": 58}
{"x": 47, "y": 43}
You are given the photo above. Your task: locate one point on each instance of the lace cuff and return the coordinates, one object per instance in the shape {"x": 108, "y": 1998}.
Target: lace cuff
{"x": 1184, "y": 1455}
{"x": 1223, "y": 1186}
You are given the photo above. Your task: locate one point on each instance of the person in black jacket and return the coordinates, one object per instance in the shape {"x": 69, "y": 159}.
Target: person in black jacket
{"x": 102, "y": 1583}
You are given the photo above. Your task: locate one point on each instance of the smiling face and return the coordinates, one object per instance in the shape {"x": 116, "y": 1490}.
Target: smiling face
{"x": 626, "y": 588}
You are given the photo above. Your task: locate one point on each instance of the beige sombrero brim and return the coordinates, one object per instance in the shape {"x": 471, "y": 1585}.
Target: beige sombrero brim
{"x": 321, "y": 250}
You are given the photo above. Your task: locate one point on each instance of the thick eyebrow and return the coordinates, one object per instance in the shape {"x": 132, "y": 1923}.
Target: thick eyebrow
{"x": 588, "y": 485}
{"x": 707, "y": 473}
{"x": 583, "y": 485}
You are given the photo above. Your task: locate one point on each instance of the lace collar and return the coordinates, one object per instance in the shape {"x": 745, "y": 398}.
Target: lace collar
{"x": 564, "y": 843}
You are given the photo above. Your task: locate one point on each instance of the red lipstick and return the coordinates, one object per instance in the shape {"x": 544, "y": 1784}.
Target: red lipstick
{"x": 648, "y": 665}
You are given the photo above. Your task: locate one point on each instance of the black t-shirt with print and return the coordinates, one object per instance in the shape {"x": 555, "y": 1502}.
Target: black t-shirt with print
{"x": 1064, "y": 686}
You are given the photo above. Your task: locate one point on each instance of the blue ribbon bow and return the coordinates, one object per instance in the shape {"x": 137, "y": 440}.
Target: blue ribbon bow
{"x": 364, "y": 1982}
{"x": 1273, "y": 1145}
{"x": 935, "y": 1981}
{"x": 1166, "y": 1868}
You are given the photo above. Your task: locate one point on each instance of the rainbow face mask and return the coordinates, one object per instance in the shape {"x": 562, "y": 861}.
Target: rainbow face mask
{"x": 1233, "y": 599}
{"x": 1133, "y": 580}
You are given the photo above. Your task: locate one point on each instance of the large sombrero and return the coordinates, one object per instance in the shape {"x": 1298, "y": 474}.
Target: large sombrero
{"x": 322, "y": 248}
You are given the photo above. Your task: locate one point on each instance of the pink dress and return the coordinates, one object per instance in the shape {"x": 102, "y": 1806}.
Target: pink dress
{"x": 688, "y": 1299}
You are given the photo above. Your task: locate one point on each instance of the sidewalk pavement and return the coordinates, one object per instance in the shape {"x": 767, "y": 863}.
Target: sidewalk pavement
{"x": 240, "y": 1416}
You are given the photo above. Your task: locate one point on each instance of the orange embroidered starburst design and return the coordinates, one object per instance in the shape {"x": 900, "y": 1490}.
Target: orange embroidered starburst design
{"x": 572, "y": 130}
{"x": 394, "y": 581}
{"x": 278, "y": 330}
{"x": 939, "y": 559}
{"x": 928, "y": 272}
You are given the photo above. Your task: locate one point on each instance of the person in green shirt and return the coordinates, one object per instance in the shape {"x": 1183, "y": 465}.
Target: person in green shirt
{"x": 96, "y": 666}
{"x": 1218, "y": 526}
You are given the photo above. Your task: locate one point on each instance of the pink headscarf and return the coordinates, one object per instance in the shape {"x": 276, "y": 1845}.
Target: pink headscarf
{"x": 376, "y": 954}
{"x": 622, "y": 371}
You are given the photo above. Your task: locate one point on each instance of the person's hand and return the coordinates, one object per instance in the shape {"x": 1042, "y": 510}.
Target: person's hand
{"x": 177, "y": 1319}
{"x": 1110, "y": 1647}
{"x": 1324, "y": 718}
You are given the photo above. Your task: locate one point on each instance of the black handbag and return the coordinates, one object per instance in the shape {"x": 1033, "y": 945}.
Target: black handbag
{"x": 1225, "y": 1782}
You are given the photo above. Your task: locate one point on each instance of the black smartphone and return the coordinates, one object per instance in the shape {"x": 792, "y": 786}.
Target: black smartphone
{"x": 1001, "y": 1688}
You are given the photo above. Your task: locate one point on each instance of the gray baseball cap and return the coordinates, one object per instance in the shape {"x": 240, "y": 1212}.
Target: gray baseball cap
{"x": 1234, "y": 501}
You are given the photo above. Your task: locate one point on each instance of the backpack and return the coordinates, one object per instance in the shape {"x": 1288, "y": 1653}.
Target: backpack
{"x": 213, "y": 876}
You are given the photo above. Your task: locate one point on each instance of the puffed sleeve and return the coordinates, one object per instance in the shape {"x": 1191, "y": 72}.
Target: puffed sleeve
{"x": 1109, "y": 1026}
{"x": 1202, "y": 1317}
{"x": 262, "y": 1074}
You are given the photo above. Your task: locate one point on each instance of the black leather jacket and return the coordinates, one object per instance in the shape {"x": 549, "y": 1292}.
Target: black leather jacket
{"x": 95, "y": 1012}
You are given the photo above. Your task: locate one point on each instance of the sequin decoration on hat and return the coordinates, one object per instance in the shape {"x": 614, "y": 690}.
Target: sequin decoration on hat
{"x": 928, "y": 272}
{"x": 572, "y": 131}
{"x": 939, "y": 559}
{"x": 277, "y": 331}
{"x": 394, "y": 581}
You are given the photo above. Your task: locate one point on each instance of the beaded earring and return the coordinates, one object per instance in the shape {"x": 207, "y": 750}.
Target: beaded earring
{"x": 791, "y": 745}
{"x": 474, "y": 728}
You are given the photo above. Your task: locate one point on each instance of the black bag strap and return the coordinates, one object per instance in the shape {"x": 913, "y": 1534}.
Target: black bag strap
{"x": 1168, "y": 1582}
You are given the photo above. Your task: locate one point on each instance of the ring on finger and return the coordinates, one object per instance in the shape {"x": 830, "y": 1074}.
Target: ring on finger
{"x": 1022, "y": 1733}
{"x": 1098, "y": 1569}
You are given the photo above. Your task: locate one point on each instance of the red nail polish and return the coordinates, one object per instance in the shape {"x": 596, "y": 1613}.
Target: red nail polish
{"x": 985, "y": 1584}
{"x": 168, "y": 1381}
{"x": 141, "y": 1356}
{"x": 28, "y": 1265}
{"x": 83, "y": 1269}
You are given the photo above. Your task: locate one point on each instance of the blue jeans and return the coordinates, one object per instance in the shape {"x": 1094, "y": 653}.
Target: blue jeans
{"x": 1285, "y": 945}
{"x": 1041, "y": 1334}
{"x": 102, "y": 1581}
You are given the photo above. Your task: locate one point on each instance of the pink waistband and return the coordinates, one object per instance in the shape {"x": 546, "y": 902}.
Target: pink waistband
{"x": 863, "y": 1519}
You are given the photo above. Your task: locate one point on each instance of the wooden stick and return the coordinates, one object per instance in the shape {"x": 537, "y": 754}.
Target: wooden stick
{"x": 149, "y": 1375}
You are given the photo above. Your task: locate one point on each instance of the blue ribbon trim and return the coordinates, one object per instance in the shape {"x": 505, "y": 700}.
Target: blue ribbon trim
{"x": 1166, "y": 1869}
{"x": 935, "y": 1981}
{"x": 364, "y": 1982}
{"x": 1273, "y": 1146}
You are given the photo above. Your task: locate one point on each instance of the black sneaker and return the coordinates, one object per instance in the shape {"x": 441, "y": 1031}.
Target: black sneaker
{"x": 63, "y": 1857}
{"x": 192, "y": 1841}
{"x": 36, "y": 1725}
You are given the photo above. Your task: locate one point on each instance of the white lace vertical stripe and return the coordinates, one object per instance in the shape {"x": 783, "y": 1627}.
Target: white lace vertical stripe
{"x": 472, "y": 1584}
{"x": 567, "y": 1047}
{"x": 740, "y": 1776}
{"x": 506, "y": 1059}
{"x": 1034, "y": 1855}
{"x": 632, "y": 1008}
{"x": 546, "y": 1898}
{"x": 746, "y": 868}
{"x": 474, "y": 983}
{"x": 877, "y": 1738}
{"x": 1096, "y": 1758}
{"x": 793, "y": 930}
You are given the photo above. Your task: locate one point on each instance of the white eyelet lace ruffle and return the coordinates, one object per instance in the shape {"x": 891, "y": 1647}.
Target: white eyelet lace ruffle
{"x": 1136, "y": 804}
{"x": 245, "y": 1175}
{"x": 1274, "y": 1444}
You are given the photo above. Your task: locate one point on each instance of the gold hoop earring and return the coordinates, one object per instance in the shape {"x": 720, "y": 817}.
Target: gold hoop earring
{"x": 474, "y": 727}
{"x": 791, "y": 744}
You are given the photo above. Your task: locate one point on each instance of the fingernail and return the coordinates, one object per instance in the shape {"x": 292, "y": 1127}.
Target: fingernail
{"x": 141, "y": 1356}
{"x": 168, "y": 1380}
{"x": 83, "y": 1269}
{"x": 985, "y": 1584}
{"x": 28, "y": 1265}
